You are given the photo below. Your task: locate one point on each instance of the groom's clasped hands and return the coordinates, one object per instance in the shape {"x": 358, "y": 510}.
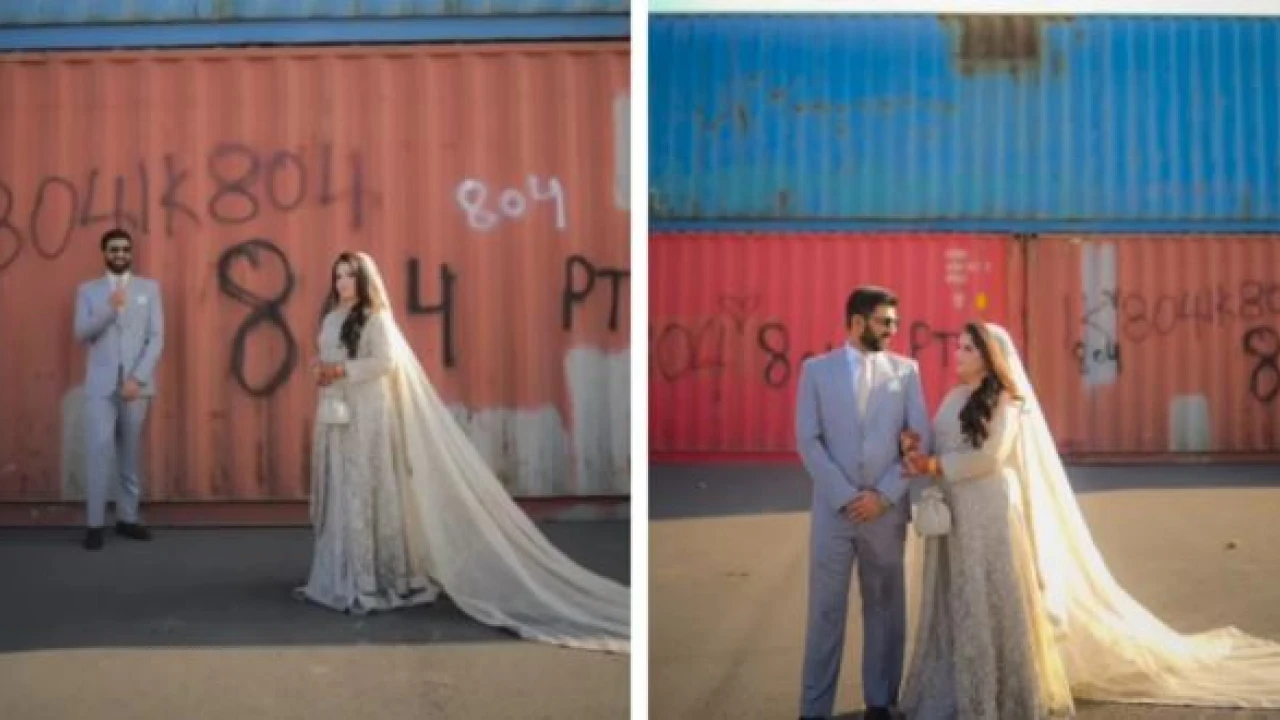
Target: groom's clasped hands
{"x": 869, "y": 505}
{"x": 866, "y": 506}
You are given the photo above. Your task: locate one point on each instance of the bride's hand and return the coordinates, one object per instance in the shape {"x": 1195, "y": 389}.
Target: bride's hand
{"x": 916, "y": 463}
{"x": 908, "y": 442}
{"x": 909, "y": 462}
{"x": 327, "y": 373}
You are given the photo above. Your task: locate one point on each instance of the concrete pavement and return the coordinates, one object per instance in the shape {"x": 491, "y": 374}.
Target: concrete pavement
{"x": 201, "y": 624}
{"x": 728, "y": 565}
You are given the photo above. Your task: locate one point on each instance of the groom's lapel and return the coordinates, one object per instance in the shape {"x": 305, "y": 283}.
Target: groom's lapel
{"x": 842, "y": 384}
{"x": 102, "y": 290}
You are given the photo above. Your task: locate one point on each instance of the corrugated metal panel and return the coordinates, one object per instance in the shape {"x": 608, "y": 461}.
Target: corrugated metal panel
{"x": 493, "y": 212}
{"x": 1011, "y": 120}
{"x": 1161, "y": 345}
{"x": 87, "y": 12}
{"x": 214, "y": 23}
{"x": 733, "y": 316}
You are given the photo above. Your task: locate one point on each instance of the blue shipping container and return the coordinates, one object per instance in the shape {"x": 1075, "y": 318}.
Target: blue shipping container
{"x": 1017, "y": 122}
{"x": 79, "y": 24}
{"x": 88, "y": 12}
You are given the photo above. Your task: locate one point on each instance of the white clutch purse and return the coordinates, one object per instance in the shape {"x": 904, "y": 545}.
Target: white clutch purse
{"x": 932, "y": 517}
{"x": 333, "y": 410}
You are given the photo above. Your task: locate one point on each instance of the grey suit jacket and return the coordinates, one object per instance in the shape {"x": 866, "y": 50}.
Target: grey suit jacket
{"x": 845, "y": 452}
{"x": 127, "y": 343}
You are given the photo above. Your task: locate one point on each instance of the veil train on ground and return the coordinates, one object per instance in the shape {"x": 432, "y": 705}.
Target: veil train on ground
{"x": 1113, "y": 648}
{"x": 469, "y": 535}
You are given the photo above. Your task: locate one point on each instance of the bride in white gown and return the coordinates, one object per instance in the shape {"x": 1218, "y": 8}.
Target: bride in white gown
{"x": 404, "y": 507}
{"x": 1111, "y": 648}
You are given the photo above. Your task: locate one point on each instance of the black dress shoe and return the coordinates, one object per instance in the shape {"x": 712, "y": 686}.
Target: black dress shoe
{"x": 133, "y": 531}
{"x": 93, "y": 539}
{"x": 877, "y": 713}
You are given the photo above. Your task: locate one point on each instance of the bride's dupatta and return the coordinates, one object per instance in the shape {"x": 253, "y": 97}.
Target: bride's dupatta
{"x": 1112, "y": 648}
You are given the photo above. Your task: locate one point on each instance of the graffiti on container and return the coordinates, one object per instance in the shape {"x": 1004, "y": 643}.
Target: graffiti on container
{"x": 244, "y": 184}
{"x": 583, "y": 279}
{"x": 245, "y": 180}
{"x": 580, "y": 279}
{"x": 1142, "y": 317}
{"x": 681, "y": 349}
{"x": 444, "y": 308}
{"x": 1098, "y": 351}
{"x": 733, "y": 340}
{"x": 486, "y": 209}
{"x": 774, "y": 339}
{"x": 922, "y": 336}
{"x": 1114, "y": 317}
{"x": 684, "y": 348}
{"x": 1098, "y": 355}
{"x": 1262, "y": 345}
{"x": 266, "y": 309}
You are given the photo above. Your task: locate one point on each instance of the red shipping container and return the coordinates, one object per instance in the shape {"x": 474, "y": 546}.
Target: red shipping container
{"x": 733, "y": 315}
{"x": 1157, "y": 347}
{"x": 488, "y": 180}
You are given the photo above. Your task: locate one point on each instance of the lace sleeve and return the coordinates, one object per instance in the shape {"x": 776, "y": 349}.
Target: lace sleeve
{"x": 378, "y": 363}
{"x": 986, "y": 460}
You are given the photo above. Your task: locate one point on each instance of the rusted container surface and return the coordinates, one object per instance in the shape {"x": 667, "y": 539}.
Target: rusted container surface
{"x": 60, "y": 25}
{"x": 1013, "y": 121}
{"x": 489, "y": 182}
{"x": 734, "y": 315}
{"x": 1157, "y": 345}
{"x": 61, "y": 12}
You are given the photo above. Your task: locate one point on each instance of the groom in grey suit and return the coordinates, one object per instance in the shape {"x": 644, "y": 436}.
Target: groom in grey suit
{"x": 854, "y": 404}
{"x": 120, "y": 319}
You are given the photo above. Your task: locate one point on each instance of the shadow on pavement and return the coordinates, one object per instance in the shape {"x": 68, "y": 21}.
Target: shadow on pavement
{"x": 223, "y": 587}
{"x": 723, "y": 490}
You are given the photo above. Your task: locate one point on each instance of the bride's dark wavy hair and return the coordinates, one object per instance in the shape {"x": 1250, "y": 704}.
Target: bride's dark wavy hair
{"x": 975, "y": 416}
{"x": 353, "y": 325}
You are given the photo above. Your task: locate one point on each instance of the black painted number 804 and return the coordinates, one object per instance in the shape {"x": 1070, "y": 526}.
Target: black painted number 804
{"x": 1263, "y": 343}
{"x": 265, "y": 310}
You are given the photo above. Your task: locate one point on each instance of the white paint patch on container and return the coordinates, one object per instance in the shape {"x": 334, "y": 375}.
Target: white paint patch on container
{"x": 1190, "y": 429}
{"x": 1099, "y": 330}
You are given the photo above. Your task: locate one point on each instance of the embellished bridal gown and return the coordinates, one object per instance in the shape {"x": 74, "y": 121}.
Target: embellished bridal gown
{"x": 1018, "y": 613}
{"x": 405, "y": 508}
{"x": 361, "y": 560}
{"x": 983, "y": 649}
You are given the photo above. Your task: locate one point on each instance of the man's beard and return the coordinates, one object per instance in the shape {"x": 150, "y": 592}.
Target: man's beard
{"x": 873, "y": 342}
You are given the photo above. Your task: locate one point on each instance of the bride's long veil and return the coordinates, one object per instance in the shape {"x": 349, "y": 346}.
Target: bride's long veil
{"x": 1113, "y": 648}
{"x": 471, "y": 537}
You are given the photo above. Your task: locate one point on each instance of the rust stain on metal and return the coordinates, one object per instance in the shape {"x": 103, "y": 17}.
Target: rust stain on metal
{"x": 999, "y": 43}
